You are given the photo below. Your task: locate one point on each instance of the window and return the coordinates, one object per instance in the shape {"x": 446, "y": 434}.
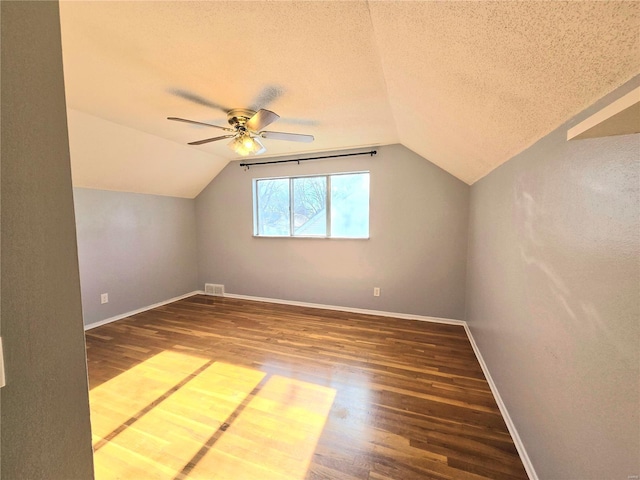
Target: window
{"x": 335, "y": 206}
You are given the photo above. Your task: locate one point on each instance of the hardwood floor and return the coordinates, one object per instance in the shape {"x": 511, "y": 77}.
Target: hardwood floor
{"x": 220, "y": 388}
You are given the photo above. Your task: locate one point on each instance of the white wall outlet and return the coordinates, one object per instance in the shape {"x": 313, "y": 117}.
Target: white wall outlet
{"x": 376, "y": 291}
{"x": 2, "y": 379}
{"x": 104, "y": 298}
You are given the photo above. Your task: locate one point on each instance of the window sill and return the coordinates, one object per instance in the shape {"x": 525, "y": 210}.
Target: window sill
{"x": 310, "y": 237}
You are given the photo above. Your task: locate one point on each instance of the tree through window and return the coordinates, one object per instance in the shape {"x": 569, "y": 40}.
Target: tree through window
{"x": 313, "y": 206}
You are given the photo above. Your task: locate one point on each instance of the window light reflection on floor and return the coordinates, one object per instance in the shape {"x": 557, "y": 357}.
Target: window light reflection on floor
{"x": 274, "y": 437}
{"x": 180, "y": 416}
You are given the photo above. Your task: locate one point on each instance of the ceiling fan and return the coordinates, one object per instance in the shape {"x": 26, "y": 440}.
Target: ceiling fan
{"x": 246, "y": 131}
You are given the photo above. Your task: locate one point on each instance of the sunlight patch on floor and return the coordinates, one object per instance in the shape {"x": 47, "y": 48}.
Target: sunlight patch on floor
{"x": 116, "y": 401}
{"x": 176, "y": 416}
{"x": 274, "y": 437}
{"x": 159, "y": 443}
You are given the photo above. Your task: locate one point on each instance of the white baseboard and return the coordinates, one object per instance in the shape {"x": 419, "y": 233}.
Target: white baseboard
{"x": 380, "y": 313}
{"x": 524, "y": 457}
{"x": 139, "y": 310}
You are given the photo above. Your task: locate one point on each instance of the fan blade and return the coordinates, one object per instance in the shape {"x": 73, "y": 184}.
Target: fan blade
{"x": 267, "y": 95}
{"x": 261, "y": 119}
{"x": 207, "y": 140}
{"x": 292, "y": 137}
{"x": 200, "y": 123}
{"x": 195, "y": 98}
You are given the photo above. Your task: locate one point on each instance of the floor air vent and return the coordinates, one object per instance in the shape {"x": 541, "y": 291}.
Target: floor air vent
{"x": 214, "y": 289}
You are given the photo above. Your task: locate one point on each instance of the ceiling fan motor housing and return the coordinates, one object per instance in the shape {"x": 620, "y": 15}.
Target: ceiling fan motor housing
{"x": 238, "y": 117}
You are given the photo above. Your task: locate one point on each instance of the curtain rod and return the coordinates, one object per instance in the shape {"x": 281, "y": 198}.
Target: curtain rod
{"x": 247, "y": 165}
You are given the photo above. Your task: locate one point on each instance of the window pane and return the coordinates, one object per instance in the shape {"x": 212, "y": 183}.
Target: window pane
{"x": 350, "y": 205}
{"x": 273, "y": 206}
{"x": 310, "y": 206}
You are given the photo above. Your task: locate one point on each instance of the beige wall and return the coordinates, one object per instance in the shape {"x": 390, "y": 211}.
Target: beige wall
{"x": 416, "y": 253}
{"x": 552, "y": 299}
{"x": 45, "y": 429}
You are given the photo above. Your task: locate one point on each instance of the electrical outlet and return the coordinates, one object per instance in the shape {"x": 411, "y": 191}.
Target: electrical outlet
{"x": 376, "y": 291}
{"x": 104, "y": 298}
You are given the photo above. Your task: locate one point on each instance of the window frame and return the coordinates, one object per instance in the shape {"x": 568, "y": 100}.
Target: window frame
{"x": 291, "y": 179}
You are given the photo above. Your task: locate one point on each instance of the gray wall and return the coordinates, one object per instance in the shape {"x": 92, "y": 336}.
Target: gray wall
{"x": 140, "y": 249}
{"x": 45, "y": 427}
{"x": 416, "y": 253}
{"x": 552, "y": 299}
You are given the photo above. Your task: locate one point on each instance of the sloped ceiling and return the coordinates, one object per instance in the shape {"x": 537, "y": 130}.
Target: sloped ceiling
{"x": 466, "y": 85}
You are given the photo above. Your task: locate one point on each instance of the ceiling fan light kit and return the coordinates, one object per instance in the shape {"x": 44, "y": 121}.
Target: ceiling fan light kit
{"x": 246, "y": 129}
{"x": 247, "y": 145}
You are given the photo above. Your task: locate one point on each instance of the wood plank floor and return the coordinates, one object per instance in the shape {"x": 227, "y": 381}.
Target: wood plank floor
{"x": 220, "y": 388}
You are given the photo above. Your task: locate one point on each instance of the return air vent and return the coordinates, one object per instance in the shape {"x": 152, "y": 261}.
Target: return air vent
{"x": 214, "y": 289}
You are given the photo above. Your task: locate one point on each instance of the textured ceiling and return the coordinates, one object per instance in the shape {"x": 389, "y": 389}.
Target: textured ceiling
{"x": 466, "y": 85}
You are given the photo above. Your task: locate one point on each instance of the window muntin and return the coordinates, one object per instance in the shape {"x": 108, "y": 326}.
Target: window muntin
{"x": 326, "y": 206}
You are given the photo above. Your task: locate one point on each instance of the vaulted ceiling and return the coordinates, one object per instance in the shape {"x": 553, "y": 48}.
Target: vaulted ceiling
{"x": 466, "y": 85}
